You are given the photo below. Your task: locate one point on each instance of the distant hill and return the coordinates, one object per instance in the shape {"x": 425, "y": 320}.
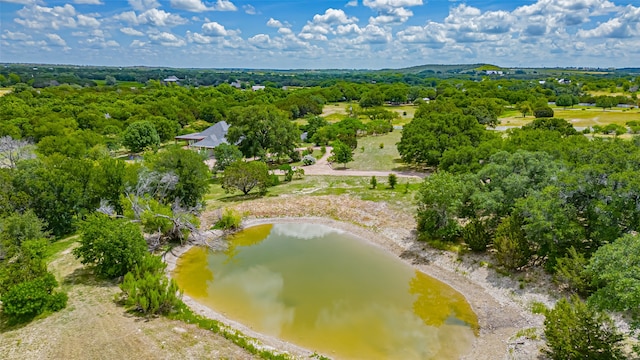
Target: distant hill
{"x": 435, "y": 68}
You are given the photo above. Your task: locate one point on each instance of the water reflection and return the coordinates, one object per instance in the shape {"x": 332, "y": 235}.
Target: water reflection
{"x": 327, "y": 291}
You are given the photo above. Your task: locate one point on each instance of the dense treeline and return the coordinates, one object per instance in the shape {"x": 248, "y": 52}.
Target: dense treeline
{"x": 545, "y": 196}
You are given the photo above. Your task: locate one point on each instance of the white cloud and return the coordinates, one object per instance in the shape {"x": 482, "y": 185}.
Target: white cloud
{"x": 131, "y": 31}
{"x": 199, "y": 38}
{"x": 225, "y": 5}
{"x": 144, "y": 5}
{"x": 56, "y": 40}
{"x": 88, "y": 21}
{"x": 88, "y": 2}
{"x": 214, "y": 29}
{"x": 392, "y": 16}
{"x": 390, "y": 4}
{"x": 138, "y": 43}
{"x": 166, "y": 39}
{"x": 249, "y": 9}
{"x": 262, "y": 41}
{"x": 190, "y": 5}
{"x": 352, "y": 3}
{"x": 626, "y": 25}
{"x": 274, "y": 23}
{"x": 17, "y": 36}
{"x": 24, "y": 2}
{"x": 41, "y": 17}
{"x": 160, "y": 18}
{"x": 333, "y": 16}
{"x": 433, "y": 34}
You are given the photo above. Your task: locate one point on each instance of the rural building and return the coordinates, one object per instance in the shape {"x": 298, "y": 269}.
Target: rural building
{"x": 209, "y": 138}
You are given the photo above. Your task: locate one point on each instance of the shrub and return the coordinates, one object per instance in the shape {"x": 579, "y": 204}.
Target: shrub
{"x": 381, "y": 145}
{"x": 510, "y": 244}
{"x": 147, "y": 290}
{"x": 543, "y": 112}
{"x": 309, "y": 160}
{"x": 575, "y": 331}
{"x": 229, "y": 220}
{"x": 373, "y": 182}
{"x": 28, "y": 299}
{"x": 393, "y": 181}
{"x": 295, "y": 156}
{"x": 323, "y": 150}
{"x": 113, "y": 246}
{"x": 476, "y": 235}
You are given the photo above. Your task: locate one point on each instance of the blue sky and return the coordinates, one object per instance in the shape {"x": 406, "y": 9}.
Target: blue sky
{"x": 362, "y": 34}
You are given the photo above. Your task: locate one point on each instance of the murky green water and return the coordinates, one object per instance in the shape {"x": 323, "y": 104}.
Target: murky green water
{"x": 329, "y": 292}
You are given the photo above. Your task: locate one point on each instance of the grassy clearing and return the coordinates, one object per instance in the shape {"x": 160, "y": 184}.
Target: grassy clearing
{"x": 578, "y": 116}
{"x": 375, "y": 158}
{"x": 334, "y": 112}
{"x": 355, "y": 186}
{"x": 4, "y": 91}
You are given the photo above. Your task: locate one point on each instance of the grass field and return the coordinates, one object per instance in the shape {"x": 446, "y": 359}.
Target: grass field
{"x": 369, "y": 155}
{"x": 356, "y": 186}
{"x": 334, "y": 112}
{"x": 578, "y": 116}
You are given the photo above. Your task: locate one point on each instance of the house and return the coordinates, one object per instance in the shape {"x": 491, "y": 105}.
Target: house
{"x": 171, "y": 79}
{"x": 208, "y": 138}
{"x": 257, "y": 87}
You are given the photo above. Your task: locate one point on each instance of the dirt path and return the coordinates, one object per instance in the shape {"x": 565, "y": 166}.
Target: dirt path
{"x": 324, "y": 167}
{"x": 94, "y": 327}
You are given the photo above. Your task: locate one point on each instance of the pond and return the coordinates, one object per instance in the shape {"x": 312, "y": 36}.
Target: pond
{"x": 330, "y": 292}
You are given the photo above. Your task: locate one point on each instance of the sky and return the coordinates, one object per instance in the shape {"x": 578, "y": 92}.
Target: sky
{"x": 346, "y": 34}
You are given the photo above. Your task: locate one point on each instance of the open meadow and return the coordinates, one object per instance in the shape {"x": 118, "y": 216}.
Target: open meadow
{"x": 579, "y": 116}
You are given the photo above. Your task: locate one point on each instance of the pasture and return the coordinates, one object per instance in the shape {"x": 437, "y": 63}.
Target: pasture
{"x": 580, "y": 116}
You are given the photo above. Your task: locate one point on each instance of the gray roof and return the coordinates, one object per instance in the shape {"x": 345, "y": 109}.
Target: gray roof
{"x": 210, "y": 137}
{"x": 210, "y": 142}
{"x": 219, "y": 130}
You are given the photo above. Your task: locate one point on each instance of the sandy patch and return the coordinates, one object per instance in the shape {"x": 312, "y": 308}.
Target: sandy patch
{"x": 501, "y": 303}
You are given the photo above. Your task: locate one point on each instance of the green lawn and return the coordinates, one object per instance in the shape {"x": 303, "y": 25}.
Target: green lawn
{"x": 578, "y": 116}
{"x": 355, "y": 186}
{"x": 375, "y": 158}
{"x": 334, "y": 112}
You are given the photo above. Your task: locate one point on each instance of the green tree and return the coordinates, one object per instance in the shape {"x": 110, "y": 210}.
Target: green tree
{"x": 140, "y": 135}
{"x": 393, "y": 180}
{"x": 226, "y": 155}
{"x": 614, "y": 269}
{"x": 112, "y": 246}
{"x": 17, "y": 228}
{"x": 512, "y": 250}
{"x": 440, "y": 198}
{"x": 574, "y": 330}
{"x": 543, "y": 112}
{"x": 605, "y": 102}
{"x": 566, "y": 100}
{"x": 166, "y": 129}
{"x": 245, "y": 176}
{"x": 193, "y": 175}
{"x": 524, "y": 107}
{"x": 373, "y": 182}
{"x": 372, "y": 98}
{"x": 427, "y": 137}
{"x": 261, "y": 131}
{"x": 341, "y": 153}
